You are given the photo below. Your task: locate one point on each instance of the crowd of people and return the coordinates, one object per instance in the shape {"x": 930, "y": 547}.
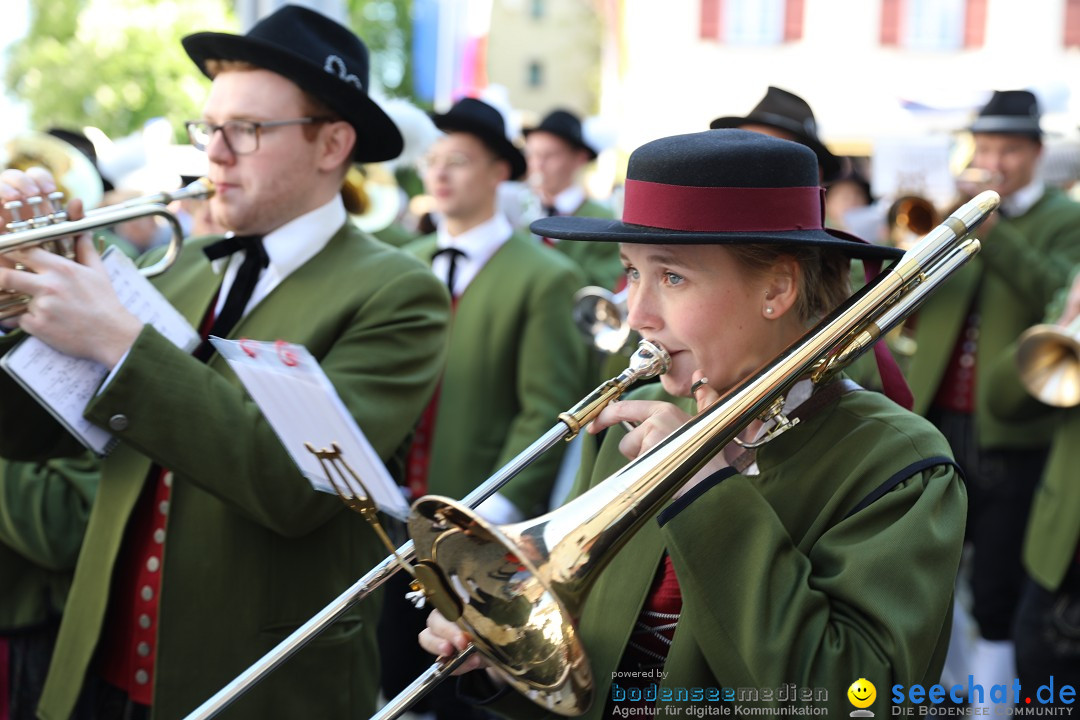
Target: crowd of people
{"x": 138, "y": 584}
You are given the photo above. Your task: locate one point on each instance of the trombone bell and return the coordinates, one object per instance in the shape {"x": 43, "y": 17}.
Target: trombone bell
{"x": 520, "y": 623}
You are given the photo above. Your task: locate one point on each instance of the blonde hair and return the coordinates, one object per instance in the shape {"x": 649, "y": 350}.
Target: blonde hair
{"x": 823, "y": 284}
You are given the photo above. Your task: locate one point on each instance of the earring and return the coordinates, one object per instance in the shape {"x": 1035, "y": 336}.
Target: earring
{"x": 768, "y": 310}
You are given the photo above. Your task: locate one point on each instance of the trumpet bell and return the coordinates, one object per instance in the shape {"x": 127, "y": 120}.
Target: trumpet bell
{"x": 601, "y": 317}
{"x": 1049, "y": 360}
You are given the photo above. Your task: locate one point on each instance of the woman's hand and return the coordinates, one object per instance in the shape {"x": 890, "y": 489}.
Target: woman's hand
{"x": 653, "y": 420}
{"x": 444, "y": 638}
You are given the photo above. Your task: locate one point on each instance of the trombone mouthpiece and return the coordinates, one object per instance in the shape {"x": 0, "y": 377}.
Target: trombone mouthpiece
{"x": 649, "y": 360}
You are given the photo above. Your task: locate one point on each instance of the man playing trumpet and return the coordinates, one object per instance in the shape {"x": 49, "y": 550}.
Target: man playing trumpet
{"x": 253, "y": 552}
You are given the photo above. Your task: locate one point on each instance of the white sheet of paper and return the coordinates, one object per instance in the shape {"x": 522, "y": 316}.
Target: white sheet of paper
{"x": 65, "y": 384}
{"x": 302, "y": 407}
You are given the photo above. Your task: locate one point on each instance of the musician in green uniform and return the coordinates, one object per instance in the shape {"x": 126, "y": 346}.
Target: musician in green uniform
{"x": 824, "y": 557}
{"x": 207, "y": 546}
{"x": 558, "y": 152}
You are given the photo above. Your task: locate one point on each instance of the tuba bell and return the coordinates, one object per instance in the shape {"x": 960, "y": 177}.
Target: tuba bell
{"x": 372, "y": 196}
{"x": 73, "y": 171}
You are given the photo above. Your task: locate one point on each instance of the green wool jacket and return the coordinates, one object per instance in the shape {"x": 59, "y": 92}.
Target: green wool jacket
{"x": 779, "y": 584}
{"x": 252, "y": 551}
{"x": 44, "y": 507}
{"x": 515, "y": 361}
{"x": 598, "y": 260}
{"x": 1023, "y": 262}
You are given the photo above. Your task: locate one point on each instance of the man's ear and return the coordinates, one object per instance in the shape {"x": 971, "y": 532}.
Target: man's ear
{"x": 338, "y": 140}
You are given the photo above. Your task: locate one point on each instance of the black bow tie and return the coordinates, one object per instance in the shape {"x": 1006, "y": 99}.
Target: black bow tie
{"x": 453, "y": 254}
{"x": 252, "y": 244}
{"x": 255, "y": 260}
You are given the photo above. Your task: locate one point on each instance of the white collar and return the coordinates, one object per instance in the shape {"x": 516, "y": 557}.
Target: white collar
{"x": 570, "y": 200}
{"x": 288, "y": 247}
{"x": 479, "y": 244}
{"x": 1023, "y": 199}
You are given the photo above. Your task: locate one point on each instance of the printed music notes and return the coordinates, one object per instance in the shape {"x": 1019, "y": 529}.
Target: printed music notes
{"x": 64, "y": 385}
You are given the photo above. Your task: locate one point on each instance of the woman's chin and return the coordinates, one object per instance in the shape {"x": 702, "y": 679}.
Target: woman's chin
{"x": 676, "y": 386}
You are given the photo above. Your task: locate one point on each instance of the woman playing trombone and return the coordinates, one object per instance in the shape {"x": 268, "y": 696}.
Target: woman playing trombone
{"x": 777, "y": 576}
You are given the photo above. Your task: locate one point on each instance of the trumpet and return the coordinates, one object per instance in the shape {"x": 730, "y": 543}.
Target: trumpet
{"x": 649, "y": 360}
{"x": 600, "y": 315}
{"x": 55, "y": 232}
{"x": 1049, "y": 360}
{"x": 516, "y": 589}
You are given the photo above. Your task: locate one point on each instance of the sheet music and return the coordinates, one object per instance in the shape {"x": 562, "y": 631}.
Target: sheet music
{"x": 65, "y": 384}
{"x": 302, "y": 407}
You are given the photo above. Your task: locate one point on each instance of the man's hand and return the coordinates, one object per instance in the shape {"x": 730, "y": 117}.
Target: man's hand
{"x": 73, "y": 308}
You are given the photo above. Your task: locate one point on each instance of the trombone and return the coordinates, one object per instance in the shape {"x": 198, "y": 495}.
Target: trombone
{"x": 517, "y": 588}
{"x": 54, "y": 231}
{"x": 649, "y": 360}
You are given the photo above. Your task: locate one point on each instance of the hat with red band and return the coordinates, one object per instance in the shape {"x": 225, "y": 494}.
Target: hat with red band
{"x": 719, "y": 187}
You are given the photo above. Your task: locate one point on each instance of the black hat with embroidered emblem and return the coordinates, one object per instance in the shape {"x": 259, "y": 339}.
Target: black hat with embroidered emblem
{"x": 787, "y": 111}
{"x": 322, "y": 57}
{"x": 719, "y": 187}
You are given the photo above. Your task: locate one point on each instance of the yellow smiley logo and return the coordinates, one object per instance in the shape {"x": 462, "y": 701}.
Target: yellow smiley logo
{"x": 862, "y": 693}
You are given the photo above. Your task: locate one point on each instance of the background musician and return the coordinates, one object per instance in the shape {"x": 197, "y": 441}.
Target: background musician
{"x": 206, "y": 545}
{"x": 1028, "y": 249}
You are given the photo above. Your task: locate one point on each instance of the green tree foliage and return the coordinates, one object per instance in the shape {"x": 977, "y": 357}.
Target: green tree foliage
{"x": 112, "y": 64}
{"x": 386, "y": 27}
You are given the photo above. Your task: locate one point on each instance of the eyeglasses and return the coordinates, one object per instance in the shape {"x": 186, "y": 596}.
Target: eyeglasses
{"x": 241, "y": 136}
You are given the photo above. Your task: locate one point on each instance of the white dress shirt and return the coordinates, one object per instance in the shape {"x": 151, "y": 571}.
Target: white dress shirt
{"x": 1023, "y": 199}
{"x": 479, "y": 244}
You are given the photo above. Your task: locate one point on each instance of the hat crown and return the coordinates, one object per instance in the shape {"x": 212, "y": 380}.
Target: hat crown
{"x": 319, "y": 40}
{"x": 724, "y": 158}
{"x": 1020, "y": 103}
{"x": 469, "y": 113}
{"x": 566, "y": 125}
{"x": 1011, "y": 112}
{"x": 782, "y": 106}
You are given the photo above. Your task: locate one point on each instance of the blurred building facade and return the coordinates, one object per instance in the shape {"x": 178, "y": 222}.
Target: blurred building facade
{"x": 870, "y": 68}
{"x": 546, "y": 53}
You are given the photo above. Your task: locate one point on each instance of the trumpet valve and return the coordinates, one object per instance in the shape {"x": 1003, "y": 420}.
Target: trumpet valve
{"x": 17, "y": 223}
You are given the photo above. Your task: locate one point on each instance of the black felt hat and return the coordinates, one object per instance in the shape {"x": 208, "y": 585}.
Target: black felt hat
{"x": 322, "y": 57}
{"x": 788, "y": 112}
{"x": 719, "y": 187}
{"x": 566, "y": 125}
{"x": 476, "y": 117}
{"x": 1013, "y": 112}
